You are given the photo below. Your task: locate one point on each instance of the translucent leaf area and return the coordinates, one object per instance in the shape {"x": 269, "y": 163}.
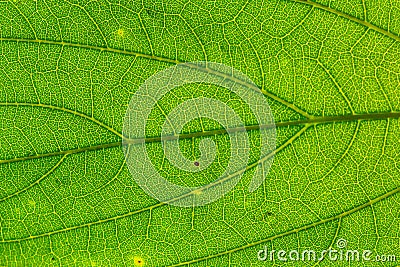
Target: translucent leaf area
{"x": 329, "y": 70}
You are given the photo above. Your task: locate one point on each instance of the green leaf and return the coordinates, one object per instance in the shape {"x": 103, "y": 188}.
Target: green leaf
{"x": 330, "y": 71}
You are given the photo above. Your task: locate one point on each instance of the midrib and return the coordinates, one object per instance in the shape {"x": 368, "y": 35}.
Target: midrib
{"x": 305, "y": 122}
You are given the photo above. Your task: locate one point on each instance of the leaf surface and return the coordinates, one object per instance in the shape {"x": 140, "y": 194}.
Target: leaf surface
{"x": 330, "y": 71}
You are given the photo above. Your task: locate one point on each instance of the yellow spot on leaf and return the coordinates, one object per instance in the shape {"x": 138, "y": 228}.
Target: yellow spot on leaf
{"x": 138, "y": 261}
{"x": 121, "y": 32}
{"x": 198, "y": 192}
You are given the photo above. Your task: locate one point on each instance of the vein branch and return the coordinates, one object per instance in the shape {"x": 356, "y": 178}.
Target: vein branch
{"x": 266, "y": 157}
{"x": 352, "y": 18}
{"x": 73, "y": 112}
{"x": 142, "y": 55}
{"x": 296, "y": 230}
{"x": 37, "y": 181}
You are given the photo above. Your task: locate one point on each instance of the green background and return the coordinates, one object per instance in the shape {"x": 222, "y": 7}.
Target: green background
{"x": 329, "y": 70}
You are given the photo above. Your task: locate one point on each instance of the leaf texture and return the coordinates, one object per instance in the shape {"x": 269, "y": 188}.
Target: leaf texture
{"x": 330, "y": 71}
